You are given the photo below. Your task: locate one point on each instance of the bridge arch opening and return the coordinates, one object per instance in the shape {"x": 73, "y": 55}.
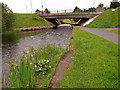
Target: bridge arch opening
{"x": 83, "y": 16}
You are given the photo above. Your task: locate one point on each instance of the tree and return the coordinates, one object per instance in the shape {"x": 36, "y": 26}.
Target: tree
{"x": 37, "y": 10}
{"x": 100, "y": 5}
{"x": 114, "y": 4}
{"x": 91, "y": 9}
{"x": 77, "y": 10}
{"x": 46, "y": 10}
{"x": 7, "y": 18}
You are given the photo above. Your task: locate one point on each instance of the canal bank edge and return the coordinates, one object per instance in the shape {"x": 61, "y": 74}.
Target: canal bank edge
{"x": 62, "y": 67}
{"x": 35, "y": 28}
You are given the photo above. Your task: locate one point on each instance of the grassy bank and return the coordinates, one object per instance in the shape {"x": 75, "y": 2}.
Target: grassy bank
{"x": 35, "y": 68}
{"x": 29, "y": 20}
{"x": 67, "y": 21}
{"x": 108, "y": 19}
{"x": 95, "y": 62}
{"x": 115, "y": 31}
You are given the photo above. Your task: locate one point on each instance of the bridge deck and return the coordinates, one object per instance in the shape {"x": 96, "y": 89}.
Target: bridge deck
{"x": 70, "y": 15}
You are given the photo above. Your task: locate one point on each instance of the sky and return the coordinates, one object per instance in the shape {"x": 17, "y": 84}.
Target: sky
{"x": 24, "y": 6}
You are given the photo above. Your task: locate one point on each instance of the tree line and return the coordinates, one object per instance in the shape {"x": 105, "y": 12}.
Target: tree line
{"x": 93, "y": 9}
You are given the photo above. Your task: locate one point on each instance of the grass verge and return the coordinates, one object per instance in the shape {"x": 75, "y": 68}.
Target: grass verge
{"x": 29, "y": 20}
{"x": 115, "y": 31}
{"x": 108, "y": 19}
{"x": 95, "y": 62}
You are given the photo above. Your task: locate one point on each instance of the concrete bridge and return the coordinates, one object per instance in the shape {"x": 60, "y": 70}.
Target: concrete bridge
{"x": 83, "y": 16}
{"x": 70, "y": 15}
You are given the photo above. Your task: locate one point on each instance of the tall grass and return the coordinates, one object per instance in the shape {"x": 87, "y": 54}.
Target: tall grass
{"x": 22, "y": 72}
{"x": 35, "y": 62}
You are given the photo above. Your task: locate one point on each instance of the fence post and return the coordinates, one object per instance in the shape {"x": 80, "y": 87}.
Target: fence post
{"x": 57, "y": 11}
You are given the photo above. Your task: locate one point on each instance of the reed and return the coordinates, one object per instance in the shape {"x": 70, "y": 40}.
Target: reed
{"x": 35, "y": 62}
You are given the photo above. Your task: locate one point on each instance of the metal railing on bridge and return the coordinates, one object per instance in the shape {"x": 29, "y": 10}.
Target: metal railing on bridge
{"x": 62, "y": 11}
{"x": 65, "y": 11}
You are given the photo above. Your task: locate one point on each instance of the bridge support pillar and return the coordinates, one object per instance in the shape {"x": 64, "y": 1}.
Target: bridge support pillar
{"x": 82, "y": 21}
{"x": 54, "y": 21}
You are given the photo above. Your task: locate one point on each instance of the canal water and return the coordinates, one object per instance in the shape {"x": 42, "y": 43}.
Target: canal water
{"x": 13, "y": 44}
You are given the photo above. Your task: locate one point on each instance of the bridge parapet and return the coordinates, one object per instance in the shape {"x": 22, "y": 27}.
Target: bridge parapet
{"x": 73, "y": 13}
{"x": 66, "y": 10}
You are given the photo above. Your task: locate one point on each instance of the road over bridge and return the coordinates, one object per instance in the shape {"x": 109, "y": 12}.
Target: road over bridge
{"x": 84, "y": 16}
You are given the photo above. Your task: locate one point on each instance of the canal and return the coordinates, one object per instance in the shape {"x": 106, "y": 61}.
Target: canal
{"x": 13, "y": 44}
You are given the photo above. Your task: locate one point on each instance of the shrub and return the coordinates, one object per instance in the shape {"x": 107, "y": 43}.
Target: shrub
{"x": 42, "y": 66}
{"x": 46, "y": 10}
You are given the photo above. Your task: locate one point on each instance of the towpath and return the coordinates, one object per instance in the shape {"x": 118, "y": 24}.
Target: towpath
{"x": 104, "y": 33}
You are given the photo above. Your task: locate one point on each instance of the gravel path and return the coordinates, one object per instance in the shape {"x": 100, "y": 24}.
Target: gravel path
{"x": 103, "y": 33}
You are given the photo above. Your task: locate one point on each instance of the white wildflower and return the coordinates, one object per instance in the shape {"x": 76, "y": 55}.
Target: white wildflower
{"x": 49, "y": 66}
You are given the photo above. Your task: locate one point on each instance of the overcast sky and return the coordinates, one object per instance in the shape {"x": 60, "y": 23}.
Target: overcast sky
{"x": 24, "y": 6}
